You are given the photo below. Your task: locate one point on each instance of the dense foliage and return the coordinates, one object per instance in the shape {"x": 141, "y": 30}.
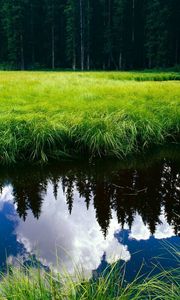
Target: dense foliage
{"x": 89, "y": 34}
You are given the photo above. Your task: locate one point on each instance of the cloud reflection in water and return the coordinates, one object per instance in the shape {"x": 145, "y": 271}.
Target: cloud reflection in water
{"x": 76, "y": 238}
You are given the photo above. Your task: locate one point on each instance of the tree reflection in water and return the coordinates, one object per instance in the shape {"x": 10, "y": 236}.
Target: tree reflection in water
{"x": 127, "y": 191}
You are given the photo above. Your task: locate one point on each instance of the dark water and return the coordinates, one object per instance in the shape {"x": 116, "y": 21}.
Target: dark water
{"x": 93, "y": 214}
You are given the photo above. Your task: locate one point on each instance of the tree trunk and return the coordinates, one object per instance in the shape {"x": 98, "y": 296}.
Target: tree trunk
{"x": 88, "y": 36}
{"x": 53, "y": 46}
{"x": 109, "y": 33}
{"x": 88, "y": 62}
{"x": 32, "y": 38}
{"x": 120, "y": 61}
{"x": 176, "y": 51}
{"x": 133, "y": 21}
{"x": 74, "y": 60}
{"x": 82, "y": 35}
{"x": 22, "y": 52}
{"x": 150, "y": 63}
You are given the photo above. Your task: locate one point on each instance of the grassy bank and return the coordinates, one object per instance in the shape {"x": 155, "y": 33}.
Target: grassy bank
{"x": 54, "y": 114}
{"x": 31, "y": 284}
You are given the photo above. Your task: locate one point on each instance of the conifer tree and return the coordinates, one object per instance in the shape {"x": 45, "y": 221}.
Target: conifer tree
{"x": 71, "y": 32}
{"x": 13, "y": 24}
{"x": 89, "y": 34}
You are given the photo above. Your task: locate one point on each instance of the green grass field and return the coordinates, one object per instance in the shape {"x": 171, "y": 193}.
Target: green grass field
{"x": 47, "y": 115}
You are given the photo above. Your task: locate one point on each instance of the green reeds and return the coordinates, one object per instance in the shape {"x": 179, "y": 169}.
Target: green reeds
{"x": 28, "y": 283}
{"x": 46, "y": 115}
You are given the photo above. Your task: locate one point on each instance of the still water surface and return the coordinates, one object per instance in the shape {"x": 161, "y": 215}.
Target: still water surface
{"x": 92, "y": 214}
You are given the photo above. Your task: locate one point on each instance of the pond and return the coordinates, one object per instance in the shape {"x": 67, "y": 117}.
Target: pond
{"x": 93, "y": 214}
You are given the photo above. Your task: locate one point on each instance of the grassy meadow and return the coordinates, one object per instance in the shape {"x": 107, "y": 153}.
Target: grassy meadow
{"x": 45, "y": 115}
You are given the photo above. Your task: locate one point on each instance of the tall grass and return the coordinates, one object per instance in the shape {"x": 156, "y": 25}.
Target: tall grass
{"x": 28, "y": 283}
{"x": 47, "y": 115}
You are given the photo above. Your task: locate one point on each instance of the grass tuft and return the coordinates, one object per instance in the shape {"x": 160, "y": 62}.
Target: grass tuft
{"x": 46, "y": 115}
{"x": 28, "y": 283}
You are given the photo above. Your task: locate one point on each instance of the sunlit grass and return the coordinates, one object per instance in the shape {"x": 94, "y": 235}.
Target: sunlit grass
{"x": 60, "y": 114}
{"x": 28, "y": 283}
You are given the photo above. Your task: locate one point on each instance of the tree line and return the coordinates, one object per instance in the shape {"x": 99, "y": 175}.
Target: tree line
{"x": 89, "y": 34}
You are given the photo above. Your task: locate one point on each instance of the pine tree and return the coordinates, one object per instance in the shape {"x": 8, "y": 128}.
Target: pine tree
{"x": 108, "y": 44}
{"x": 89, "y": 34}
{"x": 174, "y": 32}
{"x": 156, "y": 42}
{"x": 53, "y": 15}
{"x": 87, "y": 37}
{"x": 14, "y": 26}
{"x": 118, "y": 29}
{"x": 71, "y": 32}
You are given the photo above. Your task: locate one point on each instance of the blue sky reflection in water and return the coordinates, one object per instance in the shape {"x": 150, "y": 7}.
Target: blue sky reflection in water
{"x": 80, "y": 213}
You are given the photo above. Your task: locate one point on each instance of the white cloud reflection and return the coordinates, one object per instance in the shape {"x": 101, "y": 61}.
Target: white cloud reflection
{"x": 140, "y": 231}
{"x": 6, "y": 195}
{"x": 163, "y": 230}
{"x": 76, "y": 239}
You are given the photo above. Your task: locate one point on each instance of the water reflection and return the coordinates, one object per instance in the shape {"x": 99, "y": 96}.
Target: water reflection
{"x": 84, "y": 212}
{"x": 76, "y": 238}
{"x": 127, "y": 192}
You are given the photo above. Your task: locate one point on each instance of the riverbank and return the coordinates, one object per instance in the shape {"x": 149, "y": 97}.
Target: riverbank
{"x": 55, "y": 115}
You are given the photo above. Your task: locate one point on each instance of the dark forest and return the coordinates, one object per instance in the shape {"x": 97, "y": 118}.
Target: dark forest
{"x": 89, "y": 34}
